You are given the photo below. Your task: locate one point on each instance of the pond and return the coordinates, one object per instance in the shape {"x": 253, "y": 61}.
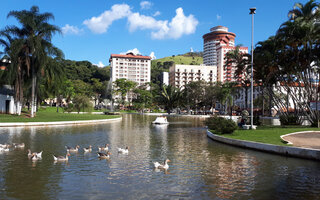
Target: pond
{"x": 199, "y": 169}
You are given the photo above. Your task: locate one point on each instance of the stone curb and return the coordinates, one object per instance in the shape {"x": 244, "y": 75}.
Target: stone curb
{"x": 282, "y": 150}
{"x": 294, "y": 134}
{"x": 11, "y": 124}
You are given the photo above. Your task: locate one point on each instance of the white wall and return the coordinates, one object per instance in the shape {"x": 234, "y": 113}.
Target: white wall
{"x": 12, "y": 108}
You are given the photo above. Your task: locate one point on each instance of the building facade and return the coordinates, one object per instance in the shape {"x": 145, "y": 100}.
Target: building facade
{"x": 216, "y": 45}
{"x": 181, "y": 75}
{"x": 131, "y": 67}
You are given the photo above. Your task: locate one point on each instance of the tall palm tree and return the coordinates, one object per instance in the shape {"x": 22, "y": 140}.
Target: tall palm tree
{"x": 37, "y": 34}
{"x": 241, "y": 62}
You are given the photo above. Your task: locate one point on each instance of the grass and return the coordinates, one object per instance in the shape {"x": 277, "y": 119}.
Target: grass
{"x": 49, "y": 114}
{"x": 185, "y": 60}
{"x": 269, "y": 135}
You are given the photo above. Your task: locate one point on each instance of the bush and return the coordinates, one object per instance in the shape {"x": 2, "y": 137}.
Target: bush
{"x": 69, "y": 108}
{"x": 81, "y": 102}
{"x": 290, "y": 120}
{"x": 221, "y": 125}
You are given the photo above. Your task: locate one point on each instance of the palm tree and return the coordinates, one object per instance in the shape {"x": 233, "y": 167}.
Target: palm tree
{"x": 36, "y": 33}
{"x": 169, "y": 97}
{"x": 13, "y": 48}
{"x": 241, "y": 62}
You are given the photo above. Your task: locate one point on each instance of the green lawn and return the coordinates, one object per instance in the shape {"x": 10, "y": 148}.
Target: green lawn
{"x": 185, "y": 60}
{"x": 49, "y": 114}
{"x": 269, "y": 135}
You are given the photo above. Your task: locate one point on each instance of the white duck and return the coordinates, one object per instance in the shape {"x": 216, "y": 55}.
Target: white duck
{"x": 104, "y": 155}
{"x": 72, "y": 150}
{"x": 126, "y": 150}
{"x": 105, "y": 148}
{"x": 89, "y": 149}
{"x": 165, "y": 165}
{"x": 39, "y": 155}
{"x": 61, "y": 158}
{"x": 34, "y": 157}
{"x": 5, "y": 146}
{"x": 20, "y": 146}
{"x": 4, "y": 149}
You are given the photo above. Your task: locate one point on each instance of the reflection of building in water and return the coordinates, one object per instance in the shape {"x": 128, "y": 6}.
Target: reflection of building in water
{"x": 235, "y": 174}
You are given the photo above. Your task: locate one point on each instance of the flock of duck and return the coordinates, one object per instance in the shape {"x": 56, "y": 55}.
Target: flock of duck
{"x": 103, "y": 153}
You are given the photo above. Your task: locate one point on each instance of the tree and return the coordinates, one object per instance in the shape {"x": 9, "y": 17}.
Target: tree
{"x": 36, "y": 34}
{"x": 97, "y": 87}
{"x": 241, "y": 62}
{"x": 194, "y": 93}
{"x": 143, "y": 98}
{"x": 123, "y": 86}
{"x": 14, "y": 49}
{"x": 169, "y": 97}
{"x": 81, "y": 102}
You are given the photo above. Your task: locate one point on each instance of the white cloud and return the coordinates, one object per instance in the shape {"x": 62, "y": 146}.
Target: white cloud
{"x": 70, "y": 30}
{"x": 152, "y": 56}
{"x": 161, "y": 29}
{"x": 100, "y": 64}
{"x": 145, "y": 5}
{"x": 135, "y": 51}
{"x": 137, "y": 21}
{"x": 101, "y": 23}
{"x": 157, "y": 13}
{"x": 179, "y": 25}
{"x": 218, "y": 17}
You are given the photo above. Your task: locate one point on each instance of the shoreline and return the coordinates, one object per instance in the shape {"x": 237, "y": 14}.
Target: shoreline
{"x": 55, "y": 123}
{"x": 298, "y": 152}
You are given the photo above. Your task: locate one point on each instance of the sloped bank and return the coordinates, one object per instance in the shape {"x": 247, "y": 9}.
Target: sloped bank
{"x": 282, "y": 150}
{"x": 17, "y": 124}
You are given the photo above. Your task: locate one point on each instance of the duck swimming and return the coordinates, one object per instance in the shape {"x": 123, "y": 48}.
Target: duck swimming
{"x": 126, "y": 150}
{"x": 89, "y": 149}
{"x": 105, "y": 148}
{"x": 72, "y": 150}
{"x": 162, "y": 166}
{"x": 104, "y": 155}
{"x": 61, "y": 158}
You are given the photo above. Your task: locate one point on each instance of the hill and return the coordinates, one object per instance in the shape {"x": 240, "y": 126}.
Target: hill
{"x": 185, "y": 59}
{"x": 163, "y": 64}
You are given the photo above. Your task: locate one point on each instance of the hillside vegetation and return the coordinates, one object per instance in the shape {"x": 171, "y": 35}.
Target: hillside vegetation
{"x": 163, "y": 64}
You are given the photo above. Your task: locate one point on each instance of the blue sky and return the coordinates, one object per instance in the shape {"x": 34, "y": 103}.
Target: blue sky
{"x": 94, "y": 29}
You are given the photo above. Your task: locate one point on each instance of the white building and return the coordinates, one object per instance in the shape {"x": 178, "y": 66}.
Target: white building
{"x": 165, "y": 78}
{"x": 180, "y": 75}
{"x": 7, "y": 104}
{"x": 132, "y": 67}
{"x": 215, "y": 46}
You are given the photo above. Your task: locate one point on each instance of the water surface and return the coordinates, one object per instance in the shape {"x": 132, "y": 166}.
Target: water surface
{"x": 199, "y": 167}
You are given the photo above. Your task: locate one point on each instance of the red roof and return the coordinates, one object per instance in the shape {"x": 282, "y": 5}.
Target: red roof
{"x": 129, "y": 56}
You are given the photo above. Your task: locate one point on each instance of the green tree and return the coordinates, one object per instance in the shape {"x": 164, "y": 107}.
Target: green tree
{"x": 36, "y": 33}
{"x": 143, "y": 98}
{"x": 81, "y": 102}
{"x": 241, "y": 62}
{"x": 122, "y": 87}
{"x": 170, "y": 97}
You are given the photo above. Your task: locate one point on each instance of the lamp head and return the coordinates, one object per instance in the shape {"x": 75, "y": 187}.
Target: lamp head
{"x": 252, "y": 11}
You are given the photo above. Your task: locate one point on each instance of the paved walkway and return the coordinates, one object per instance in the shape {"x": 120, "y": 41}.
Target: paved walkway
{"x": 304, "y": 139}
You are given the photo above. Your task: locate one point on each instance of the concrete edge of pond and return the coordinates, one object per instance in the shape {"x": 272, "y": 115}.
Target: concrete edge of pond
{"x": 276, "y": 149}
{"x": 22, "y": 124}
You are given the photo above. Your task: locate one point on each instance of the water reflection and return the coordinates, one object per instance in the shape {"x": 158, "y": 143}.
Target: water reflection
{"x": 199, "y": 167}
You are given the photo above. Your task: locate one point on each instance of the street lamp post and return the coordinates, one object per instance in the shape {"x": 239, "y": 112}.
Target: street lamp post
{"x": 252, "y": 12}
